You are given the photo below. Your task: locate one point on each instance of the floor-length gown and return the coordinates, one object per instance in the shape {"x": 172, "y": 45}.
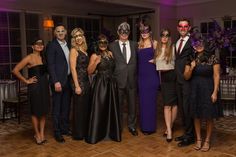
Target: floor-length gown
{"x": 148, "y": 83}
{"x": 81, "y": 102}
{"x": 104, "y": 120}
{"x": 39, "y": 92}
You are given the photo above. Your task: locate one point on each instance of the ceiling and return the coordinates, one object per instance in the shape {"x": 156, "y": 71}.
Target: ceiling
{"x": 95, "y": 7}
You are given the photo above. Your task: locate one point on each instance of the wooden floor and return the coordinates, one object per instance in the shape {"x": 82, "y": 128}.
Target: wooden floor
{"x": 16, "y": 141}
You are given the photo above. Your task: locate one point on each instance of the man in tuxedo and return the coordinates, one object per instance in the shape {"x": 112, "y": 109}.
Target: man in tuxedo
{"x": 124, "y": 52}
{"x": 184, "y": 50}
{"x": 59, "y": 73}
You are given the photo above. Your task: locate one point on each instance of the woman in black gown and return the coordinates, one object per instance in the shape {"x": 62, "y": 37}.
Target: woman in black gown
{"x": 78, "y": 64}
{"x": 38, "y": 88}
{"x": 204, "y": 72}
{"x": 104, "y": 122}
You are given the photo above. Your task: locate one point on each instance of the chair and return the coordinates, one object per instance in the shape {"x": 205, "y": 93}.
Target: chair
{"x": 228, "y": 94}
{"x": 12, "y": 105}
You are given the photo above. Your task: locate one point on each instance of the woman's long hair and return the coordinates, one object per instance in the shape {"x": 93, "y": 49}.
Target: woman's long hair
{"x": 168, "y": 50}
{"x": 83, "y": 47}
{"x": 141, "y": 42}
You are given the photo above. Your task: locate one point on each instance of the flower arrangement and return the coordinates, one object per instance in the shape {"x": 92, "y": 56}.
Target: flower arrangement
{"x": 219, "y": 38}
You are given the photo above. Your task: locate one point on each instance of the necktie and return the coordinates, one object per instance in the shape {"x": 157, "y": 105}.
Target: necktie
{"x": 180, "y": 46}
{"x": 124, "y": 51}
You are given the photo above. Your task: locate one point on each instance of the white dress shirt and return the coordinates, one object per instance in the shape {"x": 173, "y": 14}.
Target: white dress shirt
{"x": 183, "y": 44}
{"x": 128, "y": 50}
{"x": 66, "y": 52}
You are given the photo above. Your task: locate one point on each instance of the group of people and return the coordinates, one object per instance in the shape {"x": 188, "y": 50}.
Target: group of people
{"x": 120, "y": 72}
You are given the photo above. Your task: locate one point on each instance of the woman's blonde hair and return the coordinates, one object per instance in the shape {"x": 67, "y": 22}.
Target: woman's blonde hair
{"x": 83, "y": 47}
{"x": 168, "y": 50}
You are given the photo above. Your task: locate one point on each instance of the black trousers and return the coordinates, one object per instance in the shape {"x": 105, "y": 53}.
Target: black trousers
{"x": 61, "y": 109}
{"x": 183, "y": 94}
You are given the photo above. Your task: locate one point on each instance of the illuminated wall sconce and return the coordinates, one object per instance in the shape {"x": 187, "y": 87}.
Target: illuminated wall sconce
{"x": 48, "y": 23}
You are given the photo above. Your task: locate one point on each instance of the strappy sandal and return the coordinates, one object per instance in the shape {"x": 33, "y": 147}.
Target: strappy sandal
{"x": 198, "y": 145}
{"x": 206, "y": 146}
{"x": 37, "y": 141}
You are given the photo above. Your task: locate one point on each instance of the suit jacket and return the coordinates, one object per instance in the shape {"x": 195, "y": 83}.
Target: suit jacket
{"x": 125, "y": 73}
{"x": 181, "y": 60}
{"x": 57, "y": 64}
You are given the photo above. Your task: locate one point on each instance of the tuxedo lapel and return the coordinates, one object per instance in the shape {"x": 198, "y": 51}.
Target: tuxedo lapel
{"x": 185, "y": 50}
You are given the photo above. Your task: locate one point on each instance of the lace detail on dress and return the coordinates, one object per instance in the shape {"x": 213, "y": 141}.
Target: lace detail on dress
{"x": 205, "y": 59}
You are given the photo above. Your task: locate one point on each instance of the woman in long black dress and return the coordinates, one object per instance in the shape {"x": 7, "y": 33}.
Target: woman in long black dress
{"x": 104, "y": 119}
{"x": 38, "y": 88}
{"x": 78, "y": 64}
{"x": 204, "y": 72}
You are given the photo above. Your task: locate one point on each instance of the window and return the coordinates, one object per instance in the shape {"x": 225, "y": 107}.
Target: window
{"x": 206, "y": 27}
{"x": 32, "y": 29}
{"x": 228, "y": 24}
{"x": 10, "y": 42}
{"x": 91, "y": 27}
{"x": 10, "y": 39}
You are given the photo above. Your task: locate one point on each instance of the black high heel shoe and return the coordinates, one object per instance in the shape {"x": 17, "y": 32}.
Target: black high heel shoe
{"x": 169, "y": 139}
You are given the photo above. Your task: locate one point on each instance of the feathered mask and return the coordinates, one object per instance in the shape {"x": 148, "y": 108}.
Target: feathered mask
{"x": 144, "y": 29}
{"x": 196, "y": 38}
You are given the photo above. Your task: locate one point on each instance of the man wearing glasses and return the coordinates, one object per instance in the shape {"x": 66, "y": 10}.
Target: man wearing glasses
{"x": 184, "y": 50}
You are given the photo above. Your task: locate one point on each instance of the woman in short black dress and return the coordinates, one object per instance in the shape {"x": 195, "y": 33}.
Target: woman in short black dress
{"x": 204, "y": 74}
{"x": 165, "y": 57}
{"x": 38, "y": 88}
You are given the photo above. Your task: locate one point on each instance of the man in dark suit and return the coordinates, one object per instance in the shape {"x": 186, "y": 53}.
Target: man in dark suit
{"x": 184, "y": 50}
{"x": 124, "y": 52}
{"x": 59, "y": 73}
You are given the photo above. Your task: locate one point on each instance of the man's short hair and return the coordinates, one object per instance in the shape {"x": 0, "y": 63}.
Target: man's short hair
{"x": 184, "y": 19}
{"x": 59, "y": 24}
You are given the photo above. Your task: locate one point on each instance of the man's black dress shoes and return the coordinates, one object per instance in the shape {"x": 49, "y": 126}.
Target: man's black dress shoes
{"x": 180, "y": 138}
{"x": 133, "y": 131}
{"x": 68, "y": 133}
{"x": 185, "y": 142}
{"x": 59, "y": 138}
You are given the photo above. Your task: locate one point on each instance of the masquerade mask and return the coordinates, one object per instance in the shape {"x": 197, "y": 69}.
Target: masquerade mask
{"x": 103, "y": 43}
{"x": 183, "y": 27}
{"x": 144, "y": 29}
{"x": 78, "y": 36}
{"x": 197, "y": 43}
{"x": 38, "y": 43}
{"x": 122, "y": 32}
{"x": 165, "y": 35}
{"x": 60, "y": 31}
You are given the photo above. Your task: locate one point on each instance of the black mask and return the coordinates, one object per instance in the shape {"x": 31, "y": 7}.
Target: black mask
{"x": 121, "y": 31}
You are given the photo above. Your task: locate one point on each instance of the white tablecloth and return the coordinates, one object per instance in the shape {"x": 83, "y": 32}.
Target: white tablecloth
{"x": 7, "y": 90}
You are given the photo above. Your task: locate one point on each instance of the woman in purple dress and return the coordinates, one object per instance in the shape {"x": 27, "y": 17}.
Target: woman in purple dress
{"x": 148, "y": 81}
